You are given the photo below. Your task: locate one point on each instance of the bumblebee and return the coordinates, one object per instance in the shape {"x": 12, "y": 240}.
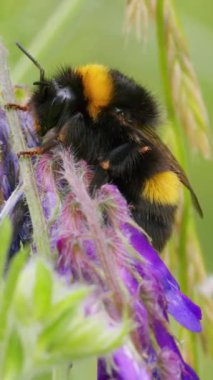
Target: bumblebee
{"x": 110, "y": 121}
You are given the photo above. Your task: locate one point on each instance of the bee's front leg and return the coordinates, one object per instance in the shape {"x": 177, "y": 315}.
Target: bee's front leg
{"x": 50, "y": 140}
{"x": 17, "y": 107}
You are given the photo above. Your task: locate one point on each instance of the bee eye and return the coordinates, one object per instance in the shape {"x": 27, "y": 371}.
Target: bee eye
{"x": 65, "y": 93}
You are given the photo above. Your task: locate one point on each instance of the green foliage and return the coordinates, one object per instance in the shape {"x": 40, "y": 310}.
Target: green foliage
{"x": 44, "y": 322}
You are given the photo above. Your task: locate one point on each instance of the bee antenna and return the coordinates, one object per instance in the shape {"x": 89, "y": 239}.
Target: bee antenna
{"x": 42, "y": 72}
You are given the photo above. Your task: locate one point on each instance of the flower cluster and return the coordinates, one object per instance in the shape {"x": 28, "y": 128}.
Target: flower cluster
{"x": 96, "y": 242}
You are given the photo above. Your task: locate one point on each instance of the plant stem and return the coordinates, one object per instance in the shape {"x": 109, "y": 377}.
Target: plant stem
{"x": 194, "y": 347}
{"x": 182, "y": 254}
{"x": 40, "y": 231}
{"x": 162, "y": 48}
{"x": 61, "y": 372}
{"x": 80, "y": 368}
{"x": 163, "y": 59}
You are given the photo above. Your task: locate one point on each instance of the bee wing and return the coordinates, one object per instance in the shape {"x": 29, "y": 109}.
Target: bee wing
{"x": 151, "y": 137}
{"x": 183, "y": 178}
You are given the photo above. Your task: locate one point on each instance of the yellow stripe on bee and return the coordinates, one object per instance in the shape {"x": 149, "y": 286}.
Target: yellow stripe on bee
{"x": 162, "y": 188}
{"x": 98, "y": 87}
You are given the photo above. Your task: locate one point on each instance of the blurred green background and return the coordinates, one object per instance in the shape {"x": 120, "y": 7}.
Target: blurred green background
{"x": 77, "y": 32}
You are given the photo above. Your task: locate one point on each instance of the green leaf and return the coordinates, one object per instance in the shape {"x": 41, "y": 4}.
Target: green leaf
{"x": 92, "y": 336}
{"x": 42, "y": 297}
{"x": 54, "y": 333}
{"x": 13, "y": 357}
{"x": 16, "y": 266}
{"x": 70, "y": 300}
{"x": 75, "y": 335}
{"x": 5, "y": 238}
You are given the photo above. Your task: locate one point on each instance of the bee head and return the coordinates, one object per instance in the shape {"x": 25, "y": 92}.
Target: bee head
{"x": 57, "y": 100}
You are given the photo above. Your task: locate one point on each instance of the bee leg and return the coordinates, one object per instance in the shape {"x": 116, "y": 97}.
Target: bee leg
{"x": 38, "y": 150}
{"x": 66, "y": 135}
{"x": 121, "y": 160}
{"x": 17, "y": 107}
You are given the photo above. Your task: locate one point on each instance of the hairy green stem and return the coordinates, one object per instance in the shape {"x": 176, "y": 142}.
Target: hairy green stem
{"x": 40, "y": 231}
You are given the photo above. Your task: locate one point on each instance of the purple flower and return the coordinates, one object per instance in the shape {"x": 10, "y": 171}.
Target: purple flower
{"x": 123, "y": 365}
{"x": 151, "y": 290}
{"x": 8, "y": 162}
{"x": 12, "y": 202}
{"x": 179, "y": 306}
{"x": 97, "y": 242}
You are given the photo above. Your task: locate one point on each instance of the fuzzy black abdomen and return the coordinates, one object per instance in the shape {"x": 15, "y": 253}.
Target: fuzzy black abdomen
{"x": 156, "y": 220}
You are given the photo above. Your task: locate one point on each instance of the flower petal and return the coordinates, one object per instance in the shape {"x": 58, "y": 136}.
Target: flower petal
{"x": 180, "y": 307}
